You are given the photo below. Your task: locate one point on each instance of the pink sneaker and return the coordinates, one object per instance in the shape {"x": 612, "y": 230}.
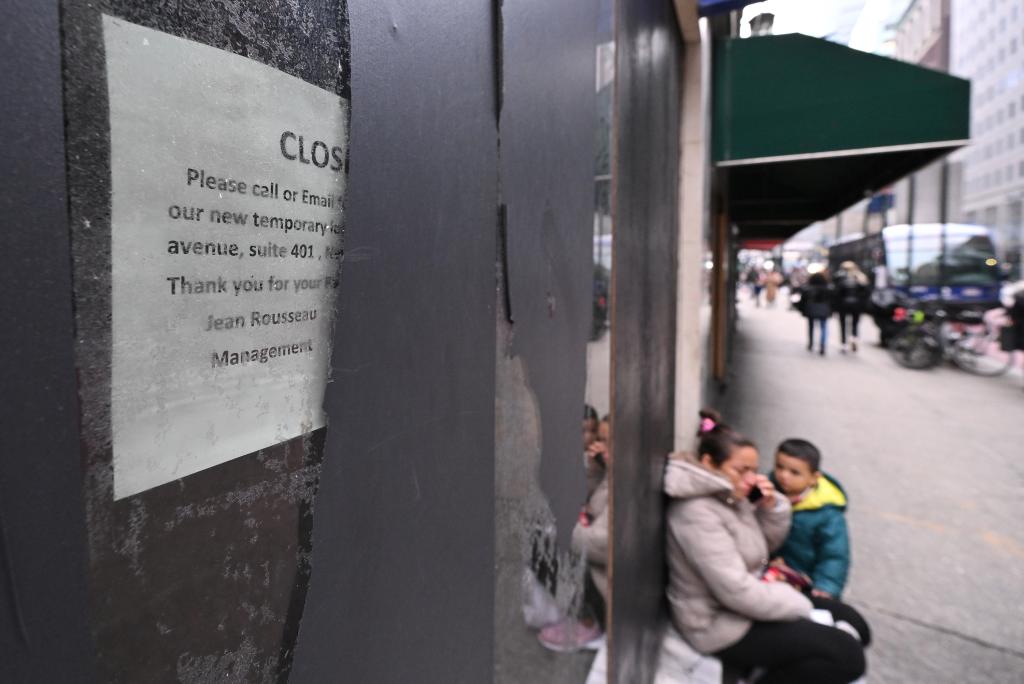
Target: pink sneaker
{"x": 570, "y": 635}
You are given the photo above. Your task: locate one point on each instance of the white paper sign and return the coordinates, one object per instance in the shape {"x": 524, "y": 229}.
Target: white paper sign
{"x": 227, "y": 179}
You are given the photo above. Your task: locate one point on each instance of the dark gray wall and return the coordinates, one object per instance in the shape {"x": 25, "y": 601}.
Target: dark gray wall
{"x": 402, "y": 586}
{"x": 44, "y": 633}
{"x": 645, "y": 204}
{"x": 548, "y": 127}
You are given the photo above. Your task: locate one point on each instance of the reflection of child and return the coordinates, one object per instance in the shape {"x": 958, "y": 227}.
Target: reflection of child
{"x": 818, "y": 544}
{"x": 590, "y": 539}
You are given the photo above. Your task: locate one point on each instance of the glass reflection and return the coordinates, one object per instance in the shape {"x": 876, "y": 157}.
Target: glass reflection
{"x": 565, "y": 596}
{"x": 552, "y": 586}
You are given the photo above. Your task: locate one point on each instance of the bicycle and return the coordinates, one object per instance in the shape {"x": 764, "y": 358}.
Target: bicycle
{"x": 930, "y": 335}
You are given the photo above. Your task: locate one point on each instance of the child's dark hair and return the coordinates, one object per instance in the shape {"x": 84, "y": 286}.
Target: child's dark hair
{"x": 803, "y": 450}
{"x": 717, "y": 439}
{"x": 589, "y": 412}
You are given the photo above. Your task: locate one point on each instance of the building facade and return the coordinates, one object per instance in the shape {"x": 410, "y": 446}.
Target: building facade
{"x": 987, "y": 46}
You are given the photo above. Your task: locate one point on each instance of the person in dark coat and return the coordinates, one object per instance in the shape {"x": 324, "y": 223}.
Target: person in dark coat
{"x": 851, "y": 293}
{"x": 816, "y": 306}
{"x": 1017, "y": 317}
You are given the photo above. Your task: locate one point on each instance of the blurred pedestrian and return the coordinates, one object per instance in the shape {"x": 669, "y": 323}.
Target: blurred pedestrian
{"x": 756, "y": 279}
{"x": 816, "y": 306}
{"x": 723, "y": 520}
{"x": 772, "y": 282}
{"x": 852, "y": 291}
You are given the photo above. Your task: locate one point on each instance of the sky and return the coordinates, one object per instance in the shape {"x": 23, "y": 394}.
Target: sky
{"x": 861, "y": 24}
{"x": 810, "y": 17}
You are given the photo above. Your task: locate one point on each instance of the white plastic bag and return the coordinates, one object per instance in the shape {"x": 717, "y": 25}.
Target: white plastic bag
{"x": 539, "y": 606}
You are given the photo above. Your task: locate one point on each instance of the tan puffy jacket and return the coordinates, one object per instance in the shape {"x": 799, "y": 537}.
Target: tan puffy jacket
{"x": 592, "y": 540}
{"x": 717, "y": 547}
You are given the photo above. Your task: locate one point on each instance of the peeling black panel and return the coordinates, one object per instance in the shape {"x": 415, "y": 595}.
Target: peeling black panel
{"x": 204, "y": 578}
{"x": 402, "y": 587}
{"x": 547, "y": 150}
{"x": 646, "y": 205}
{"x": 44, "y": 632}
{"x": 547, "y": 169}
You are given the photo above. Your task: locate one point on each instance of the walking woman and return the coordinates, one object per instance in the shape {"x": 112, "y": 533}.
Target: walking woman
{"x": 719, "y": 537}
{"x": 851, "y": 293}
{"x": 772, "y": 281}
{"x": 816, "y": 305}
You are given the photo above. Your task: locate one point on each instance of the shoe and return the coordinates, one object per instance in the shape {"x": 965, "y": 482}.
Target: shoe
{"x": 570, "y": 635}
{"x": 822, "y": 352}
{"x": 848, "y": 628}
{"x": 842, "y": 349}
{"x": 853, "y": 344}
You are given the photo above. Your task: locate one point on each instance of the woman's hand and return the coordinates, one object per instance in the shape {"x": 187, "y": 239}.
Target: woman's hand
{"x": 768, "y": 499}
{"x": 597, "y": 454}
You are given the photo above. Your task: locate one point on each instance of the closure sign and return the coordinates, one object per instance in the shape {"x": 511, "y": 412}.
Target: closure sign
{"x": 228, "y": 182}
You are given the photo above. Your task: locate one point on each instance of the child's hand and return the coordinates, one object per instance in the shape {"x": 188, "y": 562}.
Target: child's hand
{"x": 820, "y": 594}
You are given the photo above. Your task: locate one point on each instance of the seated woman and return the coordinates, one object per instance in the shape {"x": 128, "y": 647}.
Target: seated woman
{"x": 718, "y": 548}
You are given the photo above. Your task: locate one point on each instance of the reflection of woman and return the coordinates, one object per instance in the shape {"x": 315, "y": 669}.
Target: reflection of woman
{"x": 718, "y": 546}
{"x": 590, "y": 536}
{"x": 590, "y": 539}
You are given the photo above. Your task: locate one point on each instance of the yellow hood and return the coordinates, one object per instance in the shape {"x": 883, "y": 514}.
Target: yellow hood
{"x": 826, "y": 493}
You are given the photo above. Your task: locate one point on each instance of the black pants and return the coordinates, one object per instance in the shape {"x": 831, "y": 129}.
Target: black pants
{"x": 803, "y": 652}
{"x": 593, "y": 603}
{"x": 854, "y": 317}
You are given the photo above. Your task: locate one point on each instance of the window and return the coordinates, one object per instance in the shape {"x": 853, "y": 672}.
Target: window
{"x": 1011, "y": 110}
{"x": 1020, "y": 170}
{"x": 990, "y": 217}
{"x": 968, "y": 260}
{"x": 897, "y": 261}
{"x": 927, "y": 253}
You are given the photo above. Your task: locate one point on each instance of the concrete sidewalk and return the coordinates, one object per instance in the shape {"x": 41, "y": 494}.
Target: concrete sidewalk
{"x": 933, "y": 462}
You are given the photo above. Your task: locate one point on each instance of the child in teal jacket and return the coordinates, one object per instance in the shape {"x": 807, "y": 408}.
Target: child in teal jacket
{"x": 818, "y": 544}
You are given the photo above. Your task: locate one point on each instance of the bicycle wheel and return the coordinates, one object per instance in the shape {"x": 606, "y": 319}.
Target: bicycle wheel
{"x": 980, "y": 353}
{"x": 916, "y": 348}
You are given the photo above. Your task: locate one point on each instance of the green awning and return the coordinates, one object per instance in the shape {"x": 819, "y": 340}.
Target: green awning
{"x": 803, "y": 128}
